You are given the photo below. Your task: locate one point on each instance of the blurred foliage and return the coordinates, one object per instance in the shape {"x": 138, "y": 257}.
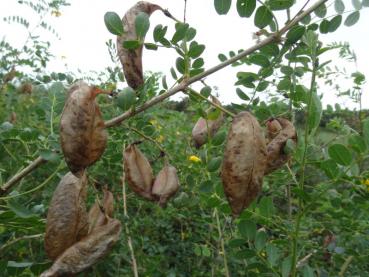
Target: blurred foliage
{"x": 319, "y": 201}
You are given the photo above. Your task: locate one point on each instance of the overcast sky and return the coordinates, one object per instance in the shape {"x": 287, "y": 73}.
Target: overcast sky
{"x": 83, "y": 36}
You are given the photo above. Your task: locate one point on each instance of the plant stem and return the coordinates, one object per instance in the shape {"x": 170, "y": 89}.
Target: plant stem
{"x": 222, "y": 243}
{"x": 18, "y": 239}
{"x": 211, "y": 102}
{"x": 129, "y": 240}
{"x": 303, "y": 166}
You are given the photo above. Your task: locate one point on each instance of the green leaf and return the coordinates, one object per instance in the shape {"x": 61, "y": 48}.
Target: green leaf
{"x": 222, "y": 57}
{"x": 262, "y": 86}
{"x": 357, "y": 4}
{"x": 357, "y": 143}
{"x": 49, "y": 155}
{"x": 324, "y": 26}
{"x": 180, "y": 33}
{"x": 260, "y": 60}
{"x": 335, "y": 23}
{"x": 142, "y": 25}
{"x": 270, "y": 49}
{"x": 205, "y": 91}
{"x": 366, "y": 131}
{"x": 273, "y": 254}
{"x": 190, "y": 34}
{"x": 306, "y": 20}
{"x": 315, "y": 112}
{"x": 242, "y": 95}
{"x": 266, "y": 207}
{"x": 276, "y": 5}
{"x": 339, "y": 6}
{"x": 263, "y": 17}
{"x": 159, "y": 32}
{"x": 284, "y": 84}
{"x": 151, "y": 46}
{"x": 195, "y": 49}
{"x": 131, "y": 44}
{"x": 113, "y": 23}
{"x": 222, "y": 6}
{"x": 260, "y": 240}
{"x": 365, "y": 3}
{"x": 286, "y": 267}
{"x": 126, "y": 98}
{"x": 247, "y": 229}
{"x": 198, "y": 63}
{"x": 180, "y": 65}
{"x": 340, "y": 154}
{"x": 245, "y": 8}
{"x": 321, "y": 11}
{"x": 19, "y": 209}
{"x": 352, "y": 19}
{"x": 295, "y": 33}
{"x": 214, "y": 164}
{"x": 330, "y": 168}
{"x": 173, "y": 73}
{"x": 219, "y": 138}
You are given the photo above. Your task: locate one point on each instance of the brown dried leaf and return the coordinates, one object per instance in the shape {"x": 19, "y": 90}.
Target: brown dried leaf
{"x": 67, "y": 217}
{"x": 202, "y": 129}
{"x": 132, "y": 59}
{"x": 166, "y": 184}
{"x": 276, "y": 156}
{"x": 86, "y": 252}
{"x": 244, "y": 162}
{"x": 96, "y": 217}
{"x": 82, "y": 130}
{"x": 138, "y": 172}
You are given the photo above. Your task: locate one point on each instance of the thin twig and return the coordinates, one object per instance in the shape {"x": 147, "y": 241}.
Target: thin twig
{"x": 345, "y": 266}
{"x": 219, "y": 107}
{"x": 18, "y": 239}
{"x": 181, "y": 86}
{"x": 222, "y": 243}
{"x": 129, "y": 240}
{"x": 157, "y": 144}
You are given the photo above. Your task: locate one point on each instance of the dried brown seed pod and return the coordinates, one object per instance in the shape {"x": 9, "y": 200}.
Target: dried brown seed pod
{"x": 82, "y": 130}
{"x": 67, "y": 217}
{"x": 166, "y": 184}
{"x": 86, "y": 252}
{"x": 138, "y": 171}
{"x": 205, "y": 128}
{"x": 276, "y": 156}
{"x": 244, "y": 162}
{"x": 273, "y": 129}
{"x": 96, "y": 217}
{"x": 131, "y": 59}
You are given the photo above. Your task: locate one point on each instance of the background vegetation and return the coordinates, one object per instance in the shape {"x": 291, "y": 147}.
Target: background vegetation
{"x": 311, "y": 218}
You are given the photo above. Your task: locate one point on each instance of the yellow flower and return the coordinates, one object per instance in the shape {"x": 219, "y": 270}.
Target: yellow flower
{"x": 153, "y": 122}
{"x": 56, "y": 13}
{"x": 365, "y": 182}
{"x": 194, "y": 159}
{"x": 160, "y": 139}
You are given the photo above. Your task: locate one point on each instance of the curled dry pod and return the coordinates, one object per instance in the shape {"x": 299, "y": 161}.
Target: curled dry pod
{"x": 131, "y": 59}
{"x": 86, "y": 252}
{"x": 166, "y": 184}
{"x": 276, "y": 156}
{"x": 67, "y": 217}
{"x": 273, "y": 129}
{"x": 82, "y": 131}
{"x": 203, "y": 129}
{"x": 96, "y": 217}
{"x": 138, "y": 171}
{"x": 244, "y": 162}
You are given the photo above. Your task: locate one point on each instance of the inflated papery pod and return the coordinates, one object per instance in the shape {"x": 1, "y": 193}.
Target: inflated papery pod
{"x": 275, "y": 149}
{"x": 86, "y": 252}
{"x": 97, "y": 217}
{"x": 244, "y": 162}
{"x": 273, "y": 129}
{"x": 131, "y": 59}
{"x": 82, "y": 130}
{"x": 138, "y": 171}
{"x": 205, "y": 128}
{"x": 166, "y": 184}
{"x": 66, "y": 220}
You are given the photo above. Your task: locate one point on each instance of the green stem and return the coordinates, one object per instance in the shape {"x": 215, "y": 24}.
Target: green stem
{"x": 222, "y": 243}
{"x": 303, "y": 165}
{"x": 210, "y": 102}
